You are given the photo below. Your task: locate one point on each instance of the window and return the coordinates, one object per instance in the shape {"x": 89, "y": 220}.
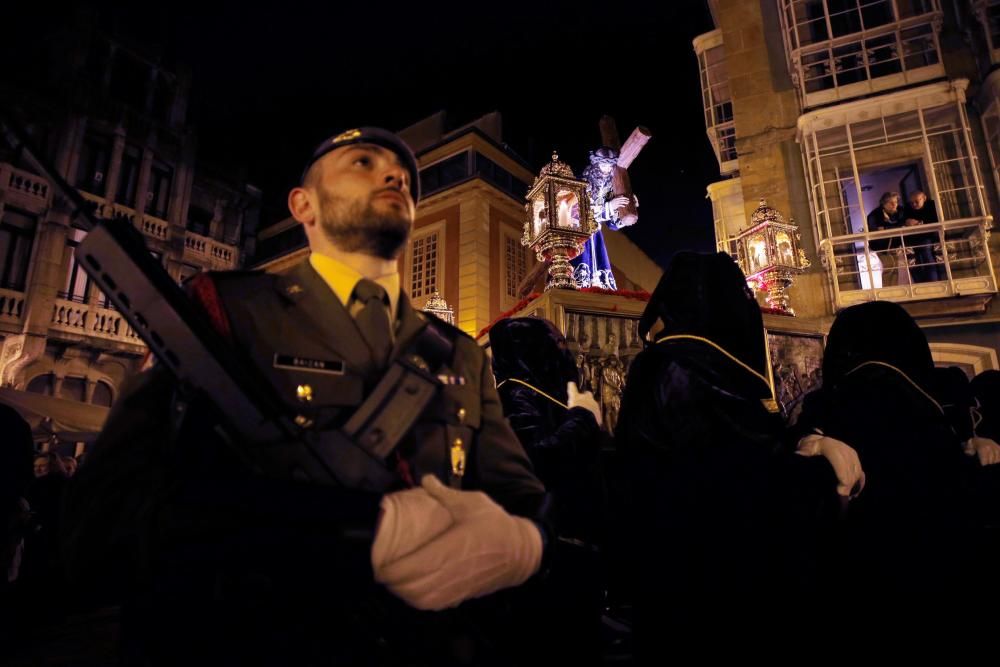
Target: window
{"x": 715, "y": 86}
{"x": 41, "y": 384}
{"x": 17, "y": 235}
{"x": 199, "y": 220}
{"x": 717, "y": 99}
{"x": 78, "y": 286}
{"x": 158, "y": 197}
{"x": 424, "y": 266}
{"x": 837, "y": 49}
{"x": 128, "y": 178}
{"x": 92, "y": 170}
{"x": 73, "y": 389}
{"x": 102, "y": 394}
{"x": 516, "y": 264}
{"x": 496, "y": 175}
{"x": 899, "y": 143}
{"x": 442, "y": 174}
{"x": 812, "y": 21}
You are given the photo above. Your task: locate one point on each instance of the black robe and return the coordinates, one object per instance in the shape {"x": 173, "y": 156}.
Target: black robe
{"x": 907, "y": 534}
{"x": 720, "y": 512}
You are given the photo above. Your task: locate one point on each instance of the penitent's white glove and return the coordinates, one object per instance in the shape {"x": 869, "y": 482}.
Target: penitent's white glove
{"x": 485, "y": 550}
{"x": 409, "y": 520}
{"x": 986, "y": 449}
{"x": 841, "y": 456}
{"x": 582, "y": 399}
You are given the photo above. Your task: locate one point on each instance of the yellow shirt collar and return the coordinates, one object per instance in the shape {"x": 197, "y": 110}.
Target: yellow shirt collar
{"x": 342, "y": 278}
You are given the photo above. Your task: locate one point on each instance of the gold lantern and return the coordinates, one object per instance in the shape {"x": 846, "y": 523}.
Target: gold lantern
{"x": 558, "y": 220}
{"x": 770, "y": 254}
{"x": 439, "y": 307}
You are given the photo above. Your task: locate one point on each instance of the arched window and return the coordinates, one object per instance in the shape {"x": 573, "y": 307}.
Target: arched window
{"x": 41, "y": 384}
{"x": 102, "y": 394}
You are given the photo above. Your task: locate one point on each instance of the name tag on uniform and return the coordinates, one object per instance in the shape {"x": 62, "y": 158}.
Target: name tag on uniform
{"x": 328, "y": 366}
{"x": 451, "y": 379}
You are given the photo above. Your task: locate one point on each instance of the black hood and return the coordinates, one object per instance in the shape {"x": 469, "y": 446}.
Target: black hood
{"x": 533, "y": 350}
{"x": 877, "y": 331}
{"x": 706, "y": 295}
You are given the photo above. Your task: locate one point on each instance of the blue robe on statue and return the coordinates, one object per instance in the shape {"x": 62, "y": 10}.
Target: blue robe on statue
{"x": 592, "y": 268}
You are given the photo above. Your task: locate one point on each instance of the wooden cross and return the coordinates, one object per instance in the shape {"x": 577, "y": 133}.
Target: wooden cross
{"x": 627, "y": 152}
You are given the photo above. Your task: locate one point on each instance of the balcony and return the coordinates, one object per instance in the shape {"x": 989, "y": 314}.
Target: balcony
{"x": 836, "y": 56}
{"x": 83, "y": 319}
{"x": 717, "y": 99}
{"x": 931, "y": 261}
{"x": 11, "y": 307}
{"x": 23, "y": 189}
{"x": 154, "y": 228}
{"x": 206, "y": 251}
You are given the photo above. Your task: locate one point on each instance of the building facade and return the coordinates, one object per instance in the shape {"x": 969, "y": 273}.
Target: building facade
{"x": 111, "y": 119}
{"x": 821, "y": 106}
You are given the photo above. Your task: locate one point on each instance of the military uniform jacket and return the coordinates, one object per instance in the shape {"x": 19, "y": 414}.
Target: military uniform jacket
{"x": 166, "y": 501}
{"x": 294, "y": 328}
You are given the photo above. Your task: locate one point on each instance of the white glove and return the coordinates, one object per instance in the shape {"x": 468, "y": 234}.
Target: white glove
{"x": 986, "y": 449}
{"x": 409, "y": 520}
{"x": 486, "y": 549}
{"x": 841, "y": 456}
{"x": 582, "y": 399}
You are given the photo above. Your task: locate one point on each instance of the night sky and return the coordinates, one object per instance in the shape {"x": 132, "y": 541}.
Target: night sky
{"x": 271, "y": 81}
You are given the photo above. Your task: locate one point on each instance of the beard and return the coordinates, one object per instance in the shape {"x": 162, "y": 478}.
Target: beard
{"x": 357, "y": 226}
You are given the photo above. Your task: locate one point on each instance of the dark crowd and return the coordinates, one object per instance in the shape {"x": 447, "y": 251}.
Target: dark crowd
{"x": 881, "y": 494}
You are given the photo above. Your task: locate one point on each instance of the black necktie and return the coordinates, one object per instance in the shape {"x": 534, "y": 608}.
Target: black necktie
{"x": 373, "y": 319}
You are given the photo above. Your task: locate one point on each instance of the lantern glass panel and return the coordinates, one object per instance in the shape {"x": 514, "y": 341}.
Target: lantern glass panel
{"x": 568, "y": 209}
{"x": 757, "y": 251}
{"x": 539, "y": 215}
{"x": 783, "y": 242}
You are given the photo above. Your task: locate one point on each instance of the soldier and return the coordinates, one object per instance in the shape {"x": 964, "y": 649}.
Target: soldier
{"x": 231, "y": 554}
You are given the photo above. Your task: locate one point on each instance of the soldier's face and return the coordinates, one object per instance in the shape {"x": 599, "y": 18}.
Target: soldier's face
{"x": 363, "y": 200}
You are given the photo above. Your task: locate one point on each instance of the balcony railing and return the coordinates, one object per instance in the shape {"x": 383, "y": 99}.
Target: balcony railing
{"x": 91, "y": 320}
{"x": 930, "y": 261}
{"x": 11, "y": 305}
{"x": 23, "y": 189}
{"x": 219, "y": 254}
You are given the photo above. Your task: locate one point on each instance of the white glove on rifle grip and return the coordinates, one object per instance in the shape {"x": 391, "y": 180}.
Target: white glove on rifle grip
{"x": 841, "y": 456}
{"x": 486, "y": 549}
{"x": 582, "y": 399}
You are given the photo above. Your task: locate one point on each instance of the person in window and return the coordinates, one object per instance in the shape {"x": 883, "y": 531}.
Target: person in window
{"x": 920, "y": 210}
{"x": 888, "y": 216}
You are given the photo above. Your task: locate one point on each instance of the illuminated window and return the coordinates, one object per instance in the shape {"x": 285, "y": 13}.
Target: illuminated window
{"x": 424, "y": 266}
{"x": 516, "y": 262}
